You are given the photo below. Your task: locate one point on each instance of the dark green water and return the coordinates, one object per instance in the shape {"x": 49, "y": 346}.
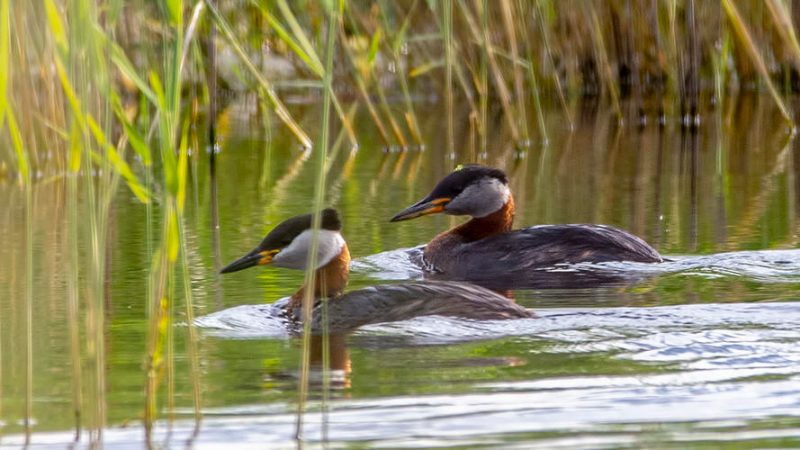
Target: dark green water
{"x": 701, "y": 354}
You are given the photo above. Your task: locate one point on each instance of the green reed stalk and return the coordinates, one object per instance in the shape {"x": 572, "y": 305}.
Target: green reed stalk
{"x": 156, "y": 324}
{"x": 301, "y": 46}
{"x": 5, "y": 33}
{"x": 28, "y": 309}
{"x": 721, "y": 149}
{"x": 387, "y": 111}
{"x": 361, "y": 85}
{"x": 10, "y": 290}
{"x": 334, "y": 15}
{"x": 506, "y": 8}
{"x": 484, "y": 77}
{"x": 538, "y": 10}
{"x": 447, "y": 21}
{"x": 692, "y": 77}
{"x": 399, "y": 40}
{"x": 537, "y": 101}
{"x": 169, "y": 353}
{"x": 89, "y": 101}
{"x": 23, "y": 166}
{"x": 294, "y": 25}
{"x": 384, "y": 104}
{"x": 192, "y": 339}
{"x": 719, "y": 62}
{"x": 211, "y": 85}
{"x": 191, "y": 330}
{"x": 267, "y": 137}
{"x": 73, "y": 306}
{"x": 333, "y": 153}
{"x": 95, "y": 317}
{"x": 675, "y": 58}
{"x": 602, "y": 56}
{"x": 782, "y": 19}
{"x": 211, "y": 80}
{"x": 25, "y": 181}
{"x": 326, "y": 374}
{"x": 80, "y": 15}
{"x": 746, "y": 39}
{"x": 275, "y": 102}
{"x": 182, "y": 167}
{"x": 169, "y": 109}
{"x": 483, "y": 37}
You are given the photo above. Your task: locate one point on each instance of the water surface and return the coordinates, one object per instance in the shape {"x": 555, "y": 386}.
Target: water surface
{"x": 699, "y": 352}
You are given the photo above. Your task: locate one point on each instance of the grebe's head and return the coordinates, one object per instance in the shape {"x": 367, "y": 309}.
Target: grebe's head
{"x": 472, "y": 190}
{"x": 287, "y": 244}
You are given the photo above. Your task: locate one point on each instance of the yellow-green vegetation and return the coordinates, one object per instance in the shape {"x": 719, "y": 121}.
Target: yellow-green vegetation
{"x": 96, "y": 94}
{"x": 510, "y": 53}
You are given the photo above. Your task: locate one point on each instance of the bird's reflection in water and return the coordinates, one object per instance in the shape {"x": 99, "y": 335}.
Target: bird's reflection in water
{"x": 339, "y": 362}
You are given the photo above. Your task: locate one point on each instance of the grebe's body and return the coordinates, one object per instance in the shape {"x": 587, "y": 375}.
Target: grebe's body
{"x": 287, "y": 245}
{"x": 485, "y": 249}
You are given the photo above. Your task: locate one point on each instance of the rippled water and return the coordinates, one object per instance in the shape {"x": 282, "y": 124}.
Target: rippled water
{"x": 700, "y": 351}
{"x": 693, "y": 374}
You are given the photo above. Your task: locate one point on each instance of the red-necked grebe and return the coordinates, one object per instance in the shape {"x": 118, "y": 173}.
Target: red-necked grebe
{"x": 485, "y": 249}
{"x": 287, "y": 245}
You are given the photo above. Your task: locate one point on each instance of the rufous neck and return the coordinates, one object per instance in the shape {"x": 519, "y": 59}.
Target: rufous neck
{"x": 329, "y": 280}
{"x": 497, "y": 222}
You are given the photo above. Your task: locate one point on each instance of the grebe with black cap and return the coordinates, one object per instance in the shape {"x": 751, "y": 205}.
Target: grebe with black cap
{"x": 486, "y": 250}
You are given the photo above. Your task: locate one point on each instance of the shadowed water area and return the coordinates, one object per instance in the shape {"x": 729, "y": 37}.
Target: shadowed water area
{"x": 696, "y": 352}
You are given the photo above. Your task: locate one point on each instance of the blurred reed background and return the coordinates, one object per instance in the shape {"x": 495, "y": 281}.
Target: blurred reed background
{"x": 102, "y": 95}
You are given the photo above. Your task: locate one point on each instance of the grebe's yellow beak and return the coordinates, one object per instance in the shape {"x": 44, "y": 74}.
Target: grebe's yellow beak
{"x": 422, "y": 208}
{"x": 257, "y": 257}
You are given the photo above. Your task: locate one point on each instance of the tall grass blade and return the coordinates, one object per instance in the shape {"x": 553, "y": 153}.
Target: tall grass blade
{"x": 5, "y": 31}
{"x": 361, "y": 86}
{"x": 25, "y": 181}
{"x": 549, "y": 52}
{"x": 56, "y": 26}
{"x": 397, "y": 42}
{"x": 746, "y": 39}
{"x": 334, "y": 15}
{"x": 276, "y": 103}
{"x": 507, "y": 12}
{"x": 302, "y": 47}
{"x": 783, "y": 23}
{"x": 308, "y": 56}
{"x": 482, "y": 35}
{"x": 294, "y": 25}
{"x": 125, "y": 66}
{"x": 117, "y": 162}
{"x": 191, "y": 344}
{"x": 447, "y": 27}
{"x": 602, "y": 56}
{"x": 134, "y": 137}
{"x": 23, "y": 164}
{"x": 73, "y": 307}
{"x": 692, "y": 77}
{"x": 483, "y": 85}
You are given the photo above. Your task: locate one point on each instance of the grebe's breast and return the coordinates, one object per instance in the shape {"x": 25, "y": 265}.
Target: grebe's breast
{"x": 517, "y": 258}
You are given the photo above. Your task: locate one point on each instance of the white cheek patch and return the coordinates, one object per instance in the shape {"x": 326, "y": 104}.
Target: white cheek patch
{"x": 480, "y": 199}
{"x": 295, "y": 255}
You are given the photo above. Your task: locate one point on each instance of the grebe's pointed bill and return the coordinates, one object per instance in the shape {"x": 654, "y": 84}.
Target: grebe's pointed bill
{"x": 423, "y": 207}
{"x": 257, "y": 257}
